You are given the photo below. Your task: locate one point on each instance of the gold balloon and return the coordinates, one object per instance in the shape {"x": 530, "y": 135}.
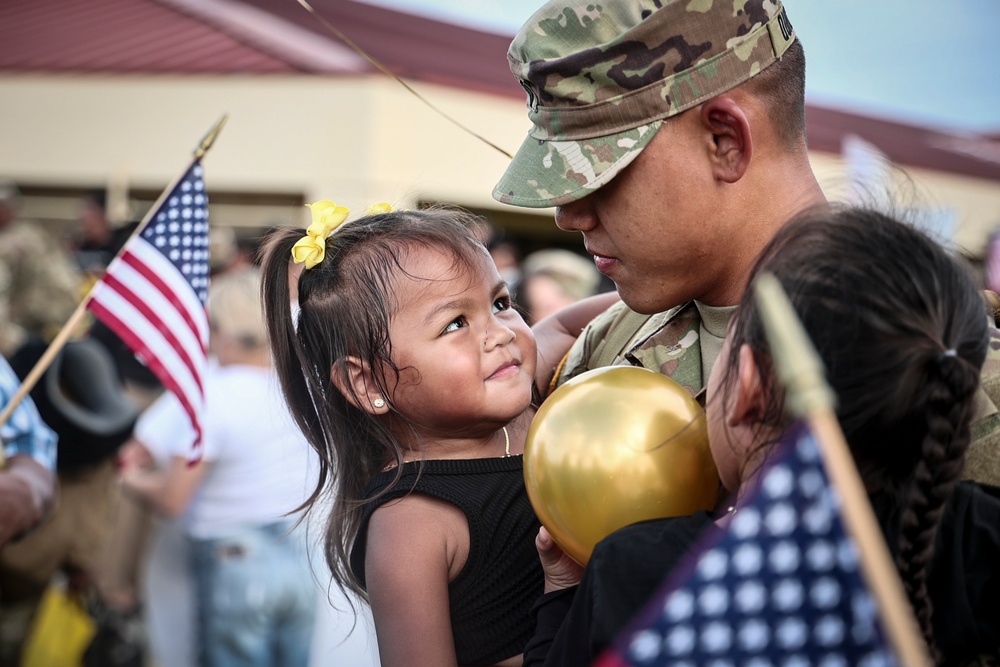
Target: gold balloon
{"x": 614, "y": 446}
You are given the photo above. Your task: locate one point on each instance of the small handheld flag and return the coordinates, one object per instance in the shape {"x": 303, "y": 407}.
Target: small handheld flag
{"x": 153, "y": 294}
{"x": 166, "y": 263}
{"x": 781, "y": 585}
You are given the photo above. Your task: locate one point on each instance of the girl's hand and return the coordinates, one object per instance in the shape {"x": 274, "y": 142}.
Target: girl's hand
{"x": 561, "y": 571}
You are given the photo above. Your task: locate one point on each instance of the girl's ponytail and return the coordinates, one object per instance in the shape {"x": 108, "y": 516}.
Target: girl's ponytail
{"x": 280, "y": 320}
{"x": 948, "y": 401}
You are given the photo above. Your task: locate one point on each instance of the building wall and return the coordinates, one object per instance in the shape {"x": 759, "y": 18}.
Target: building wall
{"x": 354, "y": 140}
{"x": 290, "y": 140}
{"x": 965, "y": 209}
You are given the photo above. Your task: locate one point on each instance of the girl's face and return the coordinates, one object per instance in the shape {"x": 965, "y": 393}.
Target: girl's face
{"x": 467, "y": 358}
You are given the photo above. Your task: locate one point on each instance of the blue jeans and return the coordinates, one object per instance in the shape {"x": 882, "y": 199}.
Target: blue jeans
{"x": 256, "y": 598}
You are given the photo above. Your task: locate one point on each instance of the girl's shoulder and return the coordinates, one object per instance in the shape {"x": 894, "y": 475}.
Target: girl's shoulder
{"x": 416, "y": 532}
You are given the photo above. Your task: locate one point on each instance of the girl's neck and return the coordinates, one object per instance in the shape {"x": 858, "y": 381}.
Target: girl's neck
{"x": 508, "y": 440}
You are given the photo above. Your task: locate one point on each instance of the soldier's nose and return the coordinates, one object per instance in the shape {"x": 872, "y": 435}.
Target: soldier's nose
{"x": 576, "y": 216}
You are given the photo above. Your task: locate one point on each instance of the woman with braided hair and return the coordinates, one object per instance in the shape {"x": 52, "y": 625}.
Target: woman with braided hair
{"x": 903, "y": 333}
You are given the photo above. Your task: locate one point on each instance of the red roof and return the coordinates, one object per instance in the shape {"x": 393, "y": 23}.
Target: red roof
{"x": 247, "y": 37}
{"x": 282, "y": 37}
{"x": 911, "y": 145}
{"x": 120, "y": 36}
{"x": 411, "y": 46}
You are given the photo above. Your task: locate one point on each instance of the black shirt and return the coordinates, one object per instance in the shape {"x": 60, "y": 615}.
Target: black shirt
{"x": 623, "y": 573}
{"x": 491, "y": 597}
{"x": 574, "y": 626}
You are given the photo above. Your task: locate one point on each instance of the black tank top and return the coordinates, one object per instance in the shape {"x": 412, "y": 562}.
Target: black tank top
{"x": 491, "y": 597}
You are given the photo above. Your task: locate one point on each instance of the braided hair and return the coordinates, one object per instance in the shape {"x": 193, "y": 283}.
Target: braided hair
{"x": 902, "y": 331}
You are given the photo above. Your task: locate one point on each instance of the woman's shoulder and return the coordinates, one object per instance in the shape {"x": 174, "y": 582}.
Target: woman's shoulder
{"x": 977, "y": 501}
{"x": 963, "y": 584}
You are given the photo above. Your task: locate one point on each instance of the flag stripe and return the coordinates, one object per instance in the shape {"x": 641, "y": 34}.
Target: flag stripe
{"x": 148, "y": 340}
{"x": 153, "y": 295}
{"x": 155, "y": 326}
{"x": 158, "y": 271}
{"x": 162, "y": 320}
{"x": 171, "y": 381}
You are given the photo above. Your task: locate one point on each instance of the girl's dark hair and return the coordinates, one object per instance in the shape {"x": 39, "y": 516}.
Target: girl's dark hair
{"x": 345, "y": 303}
{"x": 902, "y": 331}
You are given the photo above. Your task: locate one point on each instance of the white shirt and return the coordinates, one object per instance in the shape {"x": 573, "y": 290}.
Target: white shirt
{"x": 260, "y": 465}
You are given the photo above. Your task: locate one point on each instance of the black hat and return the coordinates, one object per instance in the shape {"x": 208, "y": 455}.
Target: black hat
{"x": 81, "y": 397}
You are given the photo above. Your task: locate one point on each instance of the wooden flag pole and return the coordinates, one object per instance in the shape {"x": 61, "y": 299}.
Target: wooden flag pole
{"x": 809, "y": 397}
{"x": 59, "y": 342}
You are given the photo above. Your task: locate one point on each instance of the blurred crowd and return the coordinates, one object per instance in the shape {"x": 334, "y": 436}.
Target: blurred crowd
{"x": 116, "y": 518}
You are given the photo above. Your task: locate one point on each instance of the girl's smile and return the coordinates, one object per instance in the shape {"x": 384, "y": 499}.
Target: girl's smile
{"x": 506, "y": 370}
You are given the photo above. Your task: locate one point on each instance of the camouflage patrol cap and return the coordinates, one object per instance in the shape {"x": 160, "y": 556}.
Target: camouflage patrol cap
{"x": 601, "y": 77}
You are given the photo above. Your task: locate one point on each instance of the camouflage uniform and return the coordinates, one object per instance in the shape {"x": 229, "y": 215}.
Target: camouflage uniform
{"x": 601, "y": 79}
{"x": 669, "y": 344}
{"x": 39, "y": 285}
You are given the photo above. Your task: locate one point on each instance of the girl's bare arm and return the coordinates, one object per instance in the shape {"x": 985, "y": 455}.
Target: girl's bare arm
{"x": 414, "y": 547}
{"x": 556, "y": 333}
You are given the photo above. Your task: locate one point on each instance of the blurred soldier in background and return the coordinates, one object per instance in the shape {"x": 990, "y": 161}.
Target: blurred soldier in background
{"x": 40, "y": 285}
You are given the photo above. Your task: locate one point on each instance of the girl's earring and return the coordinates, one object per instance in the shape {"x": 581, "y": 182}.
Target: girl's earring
{"x": 378, "y": 403}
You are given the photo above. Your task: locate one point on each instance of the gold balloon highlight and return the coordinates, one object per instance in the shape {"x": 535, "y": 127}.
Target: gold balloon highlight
{"x": 614, "y": 446}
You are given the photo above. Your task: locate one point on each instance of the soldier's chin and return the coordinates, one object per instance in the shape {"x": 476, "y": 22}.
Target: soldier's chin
{"x": 638, "y": 298}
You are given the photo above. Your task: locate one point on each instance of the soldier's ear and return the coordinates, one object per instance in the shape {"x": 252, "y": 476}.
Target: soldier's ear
{"x": 732, "y": 142}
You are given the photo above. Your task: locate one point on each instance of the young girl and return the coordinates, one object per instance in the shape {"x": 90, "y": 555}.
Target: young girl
{"x": 411, "y": 374}
{"x": 902, "y": 332}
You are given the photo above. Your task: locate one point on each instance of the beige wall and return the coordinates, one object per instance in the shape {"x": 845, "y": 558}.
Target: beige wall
{"x": 353, "y": 140}
{"x": 973, "y": 204}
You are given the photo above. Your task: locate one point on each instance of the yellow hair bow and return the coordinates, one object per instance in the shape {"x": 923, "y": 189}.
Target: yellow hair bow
{"x": 326, "y": 217}
{"x": 381, "y": 207}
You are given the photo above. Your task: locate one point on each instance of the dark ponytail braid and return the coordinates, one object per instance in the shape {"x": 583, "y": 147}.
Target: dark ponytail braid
{"x": 900, "y": 327}
{"x": 950, "y": 385}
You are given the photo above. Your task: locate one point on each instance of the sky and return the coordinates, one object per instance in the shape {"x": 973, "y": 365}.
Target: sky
{"x": 924, "y": 62}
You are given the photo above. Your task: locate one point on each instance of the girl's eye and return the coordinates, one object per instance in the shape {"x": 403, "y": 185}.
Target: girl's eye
{"x": 454, "y": 325}
{"x": 501, "y": 303}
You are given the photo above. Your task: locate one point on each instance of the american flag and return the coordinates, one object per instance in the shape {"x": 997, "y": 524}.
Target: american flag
{"x": 780, "y": 586}
{"x": 154, "y": 292}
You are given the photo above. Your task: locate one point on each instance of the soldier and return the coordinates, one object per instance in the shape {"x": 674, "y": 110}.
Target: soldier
{"x": 672, "y": 136}
{"x": 39, "y": 285}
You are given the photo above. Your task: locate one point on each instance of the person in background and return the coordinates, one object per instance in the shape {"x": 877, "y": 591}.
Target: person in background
{"x": 81, "y": 398}
{"x": 96, "y": 240}
{"x": 553, "y": 279}
{"x": 40, "y": 286}
{"x": 27, "y": 475}
{"x": 255, "y": 596}
{"x": 226, "y": 251}
{"x": 27, "y": 493}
